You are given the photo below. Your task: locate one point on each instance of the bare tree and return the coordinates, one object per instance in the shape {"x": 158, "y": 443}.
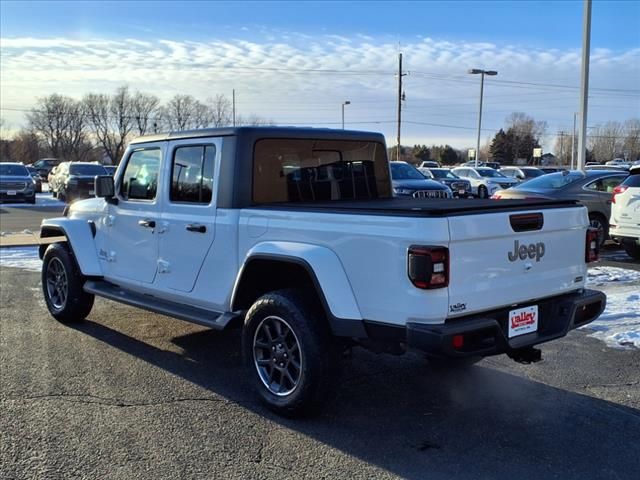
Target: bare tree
{"x": 112, "y": 120}
{"x": 61, "y": 123}
{"x": 525, "y": 133}
{"x": 184, "y": 112}
{"x": 606, "y": 141}
{"x": 562, "y": 148}
{"x": 25, "y": 147}
{"x": 253, "y": 120}
{"x": 631, "y": 145}
{"x": 145, "y": 110}
{"x": 220, "y": 111}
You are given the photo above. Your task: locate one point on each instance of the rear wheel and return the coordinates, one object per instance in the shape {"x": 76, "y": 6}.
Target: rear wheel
{"x": 289, "y": 352}
{"x": 62, "y": 285}
{"x": 598, "y": 222}
{"x": 482, "y": 192}
{"x": 632, "y": 249}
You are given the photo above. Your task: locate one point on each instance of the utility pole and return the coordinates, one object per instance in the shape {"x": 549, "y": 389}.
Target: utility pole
{"x": 400, "y": 75}
{"x": 476, "y": 71}
{"x": 233, "y": 105}
{"x": 573, "y": 139}
{"x": 584, "y": 84}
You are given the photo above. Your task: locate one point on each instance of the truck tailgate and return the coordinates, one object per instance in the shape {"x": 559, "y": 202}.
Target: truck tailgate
{"x": 493, "y": 263}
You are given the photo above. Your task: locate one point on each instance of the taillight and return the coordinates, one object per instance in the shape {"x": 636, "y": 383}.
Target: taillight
{"x": 617, "y": 190}
{"x": 428, "y": 267}
{"x": 592, "y": 249}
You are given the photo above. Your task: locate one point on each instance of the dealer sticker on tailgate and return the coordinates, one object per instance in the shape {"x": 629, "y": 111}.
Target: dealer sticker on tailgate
{"x": 523, "y": 320}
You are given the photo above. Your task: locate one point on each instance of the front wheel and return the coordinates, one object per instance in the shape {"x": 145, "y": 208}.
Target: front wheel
{"x": 289, "y": 352}
{"x": 598, "y": 222}
{"x": 482, "y": 192}
{"x": 62, "y": 285}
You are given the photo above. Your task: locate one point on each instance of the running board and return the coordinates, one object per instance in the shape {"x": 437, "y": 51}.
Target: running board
{"x": 215, "y": 320}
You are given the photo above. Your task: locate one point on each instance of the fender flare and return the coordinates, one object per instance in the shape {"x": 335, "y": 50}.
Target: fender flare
{"x": 79, "y": 234}
{"x": 327, "y": 274}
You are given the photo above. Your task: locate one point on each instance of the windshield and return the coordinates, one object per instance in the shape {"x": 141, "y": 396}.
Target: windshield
{"x": 552, "y": 180}
{"x": 88, "y": 170}
{"x": 404, "y": 171}
{"x": 14, "y": 170}
{"x": 443, "y": 173}
{"x": 489, "y": 172}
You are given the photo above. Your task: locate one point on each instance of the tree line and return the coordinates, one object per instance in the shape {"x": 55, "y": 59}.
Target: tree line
{"x": 99, "y": 126}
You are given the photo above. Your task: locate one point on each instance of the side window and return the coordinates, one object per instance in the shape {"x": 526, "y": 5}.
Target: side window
{"x": 140, "y": 179}
{"x": 605, "y": 185}
{"x": 192, "y": 174}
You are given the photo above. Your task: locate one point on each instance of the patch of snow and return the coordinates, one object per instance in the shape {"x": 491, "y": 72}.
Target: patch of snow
{"x": 25, "y": 258}
{"x": 601, "y": 275}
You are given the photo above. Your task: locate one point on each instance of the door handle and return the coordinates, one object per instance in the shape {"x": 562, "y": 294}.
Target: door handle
{"x": 146, "y": 223}
{"x": 192, "y": 227}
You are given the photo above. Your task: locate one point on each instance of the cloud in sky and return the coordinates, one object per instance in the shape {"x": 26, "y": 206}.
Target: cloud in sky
{"x": 295, "y": 78}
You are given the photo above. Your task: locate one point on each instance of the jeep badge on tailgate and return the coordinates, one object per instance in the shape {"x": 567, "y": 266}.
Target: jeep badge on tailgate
{"x": 533, "y": 250}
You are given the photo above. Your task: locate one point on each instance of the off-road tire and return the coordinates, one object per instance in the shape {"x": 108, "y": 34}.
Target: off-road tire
{"x": 76, "y": 304}
{"x": 318, "y": 351}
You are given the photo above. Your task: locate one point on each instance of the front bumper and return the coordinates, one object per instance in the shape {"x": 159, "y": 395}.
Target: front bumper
{"x": 485, "y": 334}
{"x": 20, "y": 195}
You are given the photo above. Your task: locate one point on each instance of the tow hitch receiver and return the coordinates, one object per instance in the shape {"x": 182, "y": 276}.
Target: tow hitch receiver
{"x": 525, "y": 355}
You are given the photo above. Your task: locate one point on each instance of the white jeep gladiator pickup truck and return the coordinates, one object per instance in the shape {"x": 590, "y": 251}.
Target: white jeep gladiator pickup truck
{"x": 294, "y": 234}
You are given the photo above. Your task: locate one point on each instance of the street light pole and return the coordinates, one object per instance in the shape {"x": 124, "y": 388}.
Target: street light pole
{"x": 475, "y": 71}
{"x": 573, "y": 139}
{"x": 584, "y": 84}
{"x": 347, "y": 102}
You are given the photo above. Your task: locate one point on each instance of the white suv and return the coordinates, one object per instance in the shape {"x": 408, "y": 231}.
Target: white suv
{"x": 485, "y": 181}
{"x": 624, "y": 225}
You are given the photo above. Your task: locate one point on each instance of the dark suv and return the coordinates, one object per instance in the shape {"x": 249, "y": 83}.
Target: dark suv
{"x": 74, "y": 180}
{"x": 16, "y": 183}
{"x": 44, "y": 166}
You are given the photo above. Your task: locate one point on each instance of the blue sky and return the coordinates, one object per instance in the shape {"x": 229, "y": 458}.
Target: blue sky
{"x": 268, "y": 51}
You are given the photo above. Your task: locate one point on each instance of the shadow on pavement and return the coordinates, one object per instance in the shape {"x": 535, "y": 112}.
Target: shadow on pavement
{"x": 398, "y": 414}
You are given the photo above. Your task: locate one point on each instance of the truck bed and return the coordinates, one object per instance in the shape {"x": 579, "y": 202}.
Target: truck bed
{"x": 420, "y": 207}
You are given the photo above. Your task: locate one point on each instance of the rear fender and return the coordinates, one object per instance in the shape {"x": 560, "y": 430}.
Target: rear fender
{"x": 80, "y": 235}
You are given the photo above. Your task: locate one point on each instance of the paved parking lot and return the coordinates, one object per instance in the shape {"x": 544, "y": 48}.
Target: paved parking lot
{"x": 129, "y": 394}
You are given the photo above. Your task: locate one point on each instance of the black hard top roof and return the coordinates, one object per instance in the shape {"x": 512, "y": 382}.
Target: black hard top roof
{"x": 265, "y": 132}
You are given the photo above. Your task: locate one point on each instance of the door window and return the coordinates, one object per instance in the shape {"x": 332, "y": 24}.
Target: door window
{"x": 605, "y": 185}
{"x": 140, "y": 179}
{"x": 192, "y": 174}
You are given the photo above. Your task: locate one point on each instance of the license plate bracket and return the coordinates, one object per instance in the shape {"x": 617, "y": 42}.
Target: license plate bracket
{"x": 523, "y": 320}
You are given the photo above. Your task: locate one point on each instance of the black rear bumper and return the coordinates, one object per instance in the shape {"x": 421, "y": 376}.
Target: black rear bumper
{"x": 486, "y": 334}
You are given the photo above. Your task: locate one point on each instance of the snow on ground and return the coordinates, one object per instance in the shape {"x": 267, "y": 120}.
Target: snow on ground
{"x": 42, "y": 200}
{"x": 25, "y": 258}
{"x": 618, "y": 326}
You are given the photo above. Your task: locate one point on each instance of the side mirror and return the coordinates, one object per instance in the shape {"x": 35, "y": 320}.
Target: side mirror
{"x": 104, "y": 186}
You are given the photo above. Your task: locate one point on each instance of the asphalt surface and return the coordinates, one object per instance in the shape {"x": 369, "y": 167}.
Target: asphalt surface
{"x": 133, "y": 395}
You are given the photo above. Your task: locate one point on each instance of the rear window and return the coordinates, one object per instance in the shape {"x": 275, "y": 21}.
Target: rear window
{"x": 88, "y": 170}
{"x": 552, "y": 180}
{"x": 632, "y": 180}
{"x": 299, "y": 170}
{"x": 530, "y": 173}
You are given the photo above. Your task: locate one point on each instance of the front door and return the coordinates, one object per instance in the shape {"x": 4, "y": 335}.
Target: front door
{"x": 188, "y": 222}
{"x": 132, "y": 222}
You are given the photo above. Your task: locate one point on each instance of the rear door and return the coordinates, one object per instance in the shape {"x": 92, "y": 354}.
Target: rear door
{"x": 625, "y": 212}
{"x": 188, "y": 224}
{"x": 499, "y": 259}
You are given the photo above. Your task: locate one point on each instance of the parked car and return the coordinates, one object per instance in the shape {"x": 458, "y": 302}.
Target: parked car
{"x": 409, "y": 182}
{"x": 593, "y": 188}
{"x": 74, "y": 180}
{"x": 623, "y": 167}
{"x": 521, "y": 173}
{"x": 36, "y": 178}
{"x": 429, "y": 164}
{"x": 44, "y": 166}
{"x": 294, "y": 235}
{"x": 494, "y": 165}
{"x": 484, "y": 181}
{"x": 624, "y": 224}
{"x": 111, "y": 169}
{"x": 16, "y": 183}
{"x": 460, "y": 187}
